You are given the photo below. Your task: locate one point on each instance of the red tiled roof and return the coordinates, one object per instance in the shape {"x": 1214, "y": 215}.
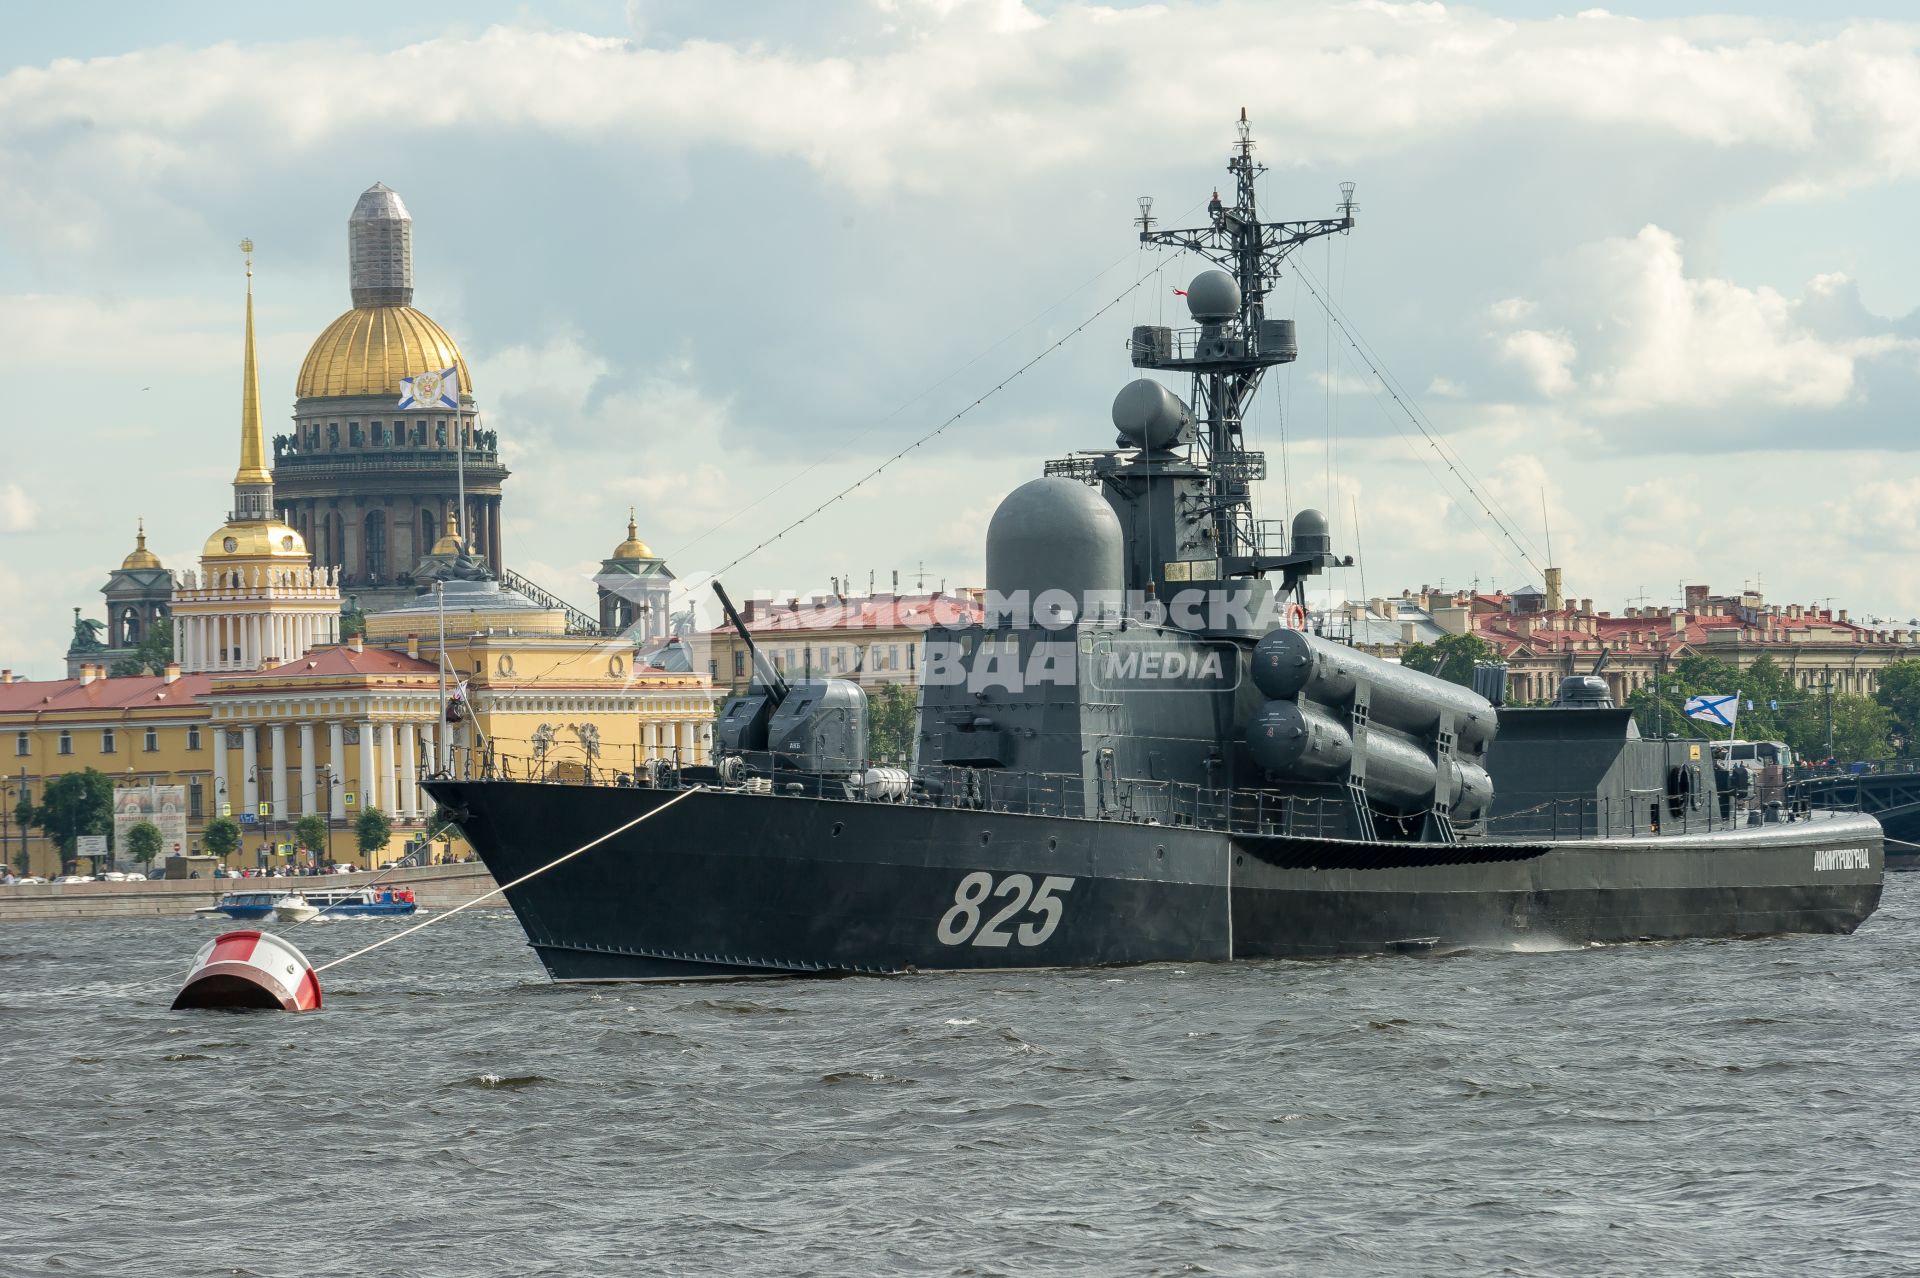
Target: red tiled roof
{"x": 341, "y": 660}
{"x": 139, "y": 692}
{"x": 904, "y": 612}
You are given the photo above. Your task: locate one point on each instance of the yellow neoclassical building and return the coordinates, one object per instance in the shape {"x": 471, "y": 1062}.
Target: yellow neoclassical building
{"x": 268, "y": 715}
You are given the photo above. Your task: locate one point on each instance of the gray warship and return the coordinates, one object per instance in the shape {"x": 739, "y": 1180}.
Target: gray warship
{"x": 1142, "y": 754}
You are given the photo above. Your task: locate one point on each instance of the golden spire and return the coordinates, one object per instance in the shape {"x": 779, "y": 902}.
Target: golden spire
{"x": 632, "y": 547}
{"x": 140, "y": 556}
{"x": 253, "y": 435}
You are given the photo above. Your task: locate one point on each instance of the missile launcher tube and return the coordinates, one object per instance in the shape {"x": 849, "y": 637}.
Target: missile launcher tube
{"x": 1291, "y": 665}
{"x": 1301, "y": 740}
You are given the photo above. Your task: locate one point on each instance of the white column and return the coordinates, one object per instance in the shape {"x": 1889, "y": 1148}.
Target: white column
{"x": 309, "y": 800}
{"x": 278, "y": 736}
{"x": 367, "y": 775}
{"x": 410, "y": 796}
{"x": 387, "y": 755}
{"x": 250, "y": 767}
{"x": 337, "y": 760}
{"x": 220, "y": 794}
{"x": 430, "y": 744}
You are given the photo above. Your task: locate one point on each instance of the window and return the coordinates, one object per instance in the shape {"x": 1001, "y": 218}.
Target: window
{"x": 193, "y": 738}
{"x": 66, "y": 742}
{"x": 713, "y": 670}
{"x": 739, "y": 663}
{"x": 378, "y": 433}
{"x": 21, "y": 744}
{"x": 194, "y": 800}
{"x": 152, "y": 742}
{"x": 106, "y": 741}
{"x": 353, "y": 434}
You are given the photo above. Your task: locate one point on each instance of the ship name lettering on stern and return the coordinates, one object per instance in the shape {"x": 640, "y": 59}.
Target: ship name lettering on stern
{"x": 970, "y": 900}
{"x": 1842, "y": 859}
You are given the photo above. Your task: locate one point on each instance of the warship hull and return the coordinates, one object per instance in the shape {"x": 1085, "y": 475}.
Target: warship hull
{"x": 730, "y": 884}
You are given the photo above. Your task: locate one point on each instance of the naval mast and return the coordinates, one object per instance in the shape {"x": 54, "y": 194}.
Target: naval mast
{"x": 1235, "y": 344}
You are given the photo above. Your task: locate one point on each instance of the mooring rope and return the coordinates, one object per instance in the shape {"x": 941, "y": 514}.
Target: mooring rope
{"x": 531, "y": 874}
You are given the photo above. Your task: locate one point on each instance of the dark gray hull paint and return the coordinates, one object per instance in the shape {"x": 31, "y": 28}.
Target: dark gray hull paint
{"x": 730, "y": 884}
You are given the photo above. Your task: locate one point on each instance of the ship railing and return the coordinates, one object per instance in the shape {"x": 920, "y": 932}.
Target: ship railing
{"x": 1643, "y": 813}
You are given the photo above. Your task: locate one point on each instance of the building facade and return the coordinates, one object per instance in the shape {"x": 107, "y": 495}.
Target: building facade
{"x": 872, "y": 639}
{"x": 372, "y": 487}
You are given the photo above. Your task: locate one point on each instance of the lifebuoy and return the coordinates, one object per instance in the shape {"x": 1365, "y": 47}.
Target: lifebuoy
{"x": 1295, "y": 617}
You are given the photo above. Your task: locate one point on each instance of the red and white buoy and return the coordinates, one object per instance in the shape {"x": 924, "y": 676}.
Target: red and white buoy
{"x": 250, "y": 969}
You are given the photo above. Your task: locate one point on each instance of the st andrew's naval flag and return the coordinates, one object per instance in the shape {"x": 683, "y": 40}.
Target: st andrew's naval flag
{"x": 1721, "y": 711}
{"x": 431, "y": 390}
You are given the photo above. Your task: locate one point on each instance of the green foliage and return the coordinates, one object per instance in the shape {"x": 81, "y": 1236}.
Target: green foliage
{"x": 73, "y": 804}
{"x": 891, "y": 724}
{"x": 151, "y": 657}
{"x": 372, "y": 830}
{"x": 1860, "y": 727}
{"x": 143, "y": 842}
{"x": 1451, "y": 656}
{"x": 352, "y": 622}
{"x": 1781, "y": 710}
{"x": 1899, "y": 694}
{"x": 310, "y": 834}
{"x": 221, "y": 837}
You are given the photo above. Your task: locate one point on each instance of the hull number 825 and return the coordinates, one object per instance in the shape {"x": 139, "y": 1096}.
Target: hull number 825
{"x": 979, "y": 898}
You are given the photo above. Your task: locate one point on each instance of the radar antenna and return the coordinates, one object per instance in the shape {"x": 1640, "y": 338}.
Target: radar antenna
{"x": 1227, "y": 356}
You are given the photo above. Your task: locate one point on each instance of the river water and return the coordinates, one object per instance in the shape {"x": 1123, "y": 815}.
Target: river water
{"x": 1702, "y": 1107}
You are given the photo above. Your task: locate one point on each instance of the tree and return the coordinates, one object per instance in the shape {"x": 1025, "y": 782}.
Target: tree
{"x": 73, "y": 804}
{"x": 151, "y": 657}
{"x": 372, "y": 831}
{"x": 1899, "y": 694}
{"x": 143, "y": 842}
{"x": 310, "y": 834}
{"x": 23, "y": 817}
{"x": 1452, "y": 657}
{"x": 221, "y": 837}
{"x": 891, "y": 724}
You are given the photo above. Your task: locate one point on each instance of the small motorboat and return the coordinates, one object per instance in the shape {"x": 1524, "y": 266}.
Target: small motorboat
{"x": 295, "y": 908}
{"x": 247, "y": 905}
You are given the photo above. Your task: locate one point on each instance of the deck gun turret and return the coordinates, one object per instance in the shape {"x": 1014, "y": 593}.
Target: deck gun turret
{"x": 816, "y": 725}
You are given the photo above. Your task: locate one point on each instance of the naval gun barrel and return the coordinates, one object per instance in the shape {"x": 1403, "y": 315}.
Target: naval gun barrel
{"x": 769, "y": 677}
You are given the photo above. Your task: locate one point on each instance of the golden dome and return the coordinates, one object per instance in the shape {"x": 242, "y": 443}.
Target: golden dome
{"x": 449, "y": 546}
{"x": 633, "y": 547}
{"x": 140, "y": 556}
{"x": 254, "y": 539}
{"x": 370, "y": 348}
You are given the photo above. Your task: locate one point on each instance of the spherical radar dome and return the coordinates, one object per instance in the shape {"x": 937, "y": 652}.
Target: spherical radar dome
{"x": 1213, "y": 297}
{"x": 370, "y": 348}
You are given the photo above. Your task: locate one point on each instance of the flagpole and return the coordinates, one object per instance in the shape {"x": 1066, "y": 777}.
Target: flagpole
{"x": 440, "y": 737}
{"x": 460, "y": 472}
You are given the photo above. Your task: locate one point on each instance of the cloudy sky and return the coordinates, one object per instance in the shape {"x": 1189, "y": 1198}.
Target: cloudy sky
{"x": 717, "y": 262}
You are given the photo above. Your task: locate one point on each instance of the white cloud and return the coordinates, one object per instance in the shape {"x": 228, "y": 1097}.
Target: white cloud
{"x": 957, "y": 89}
{"x": 1652, "y": 336}
{"x": 1545, "y": 357}
{"x": 18, "y": 511}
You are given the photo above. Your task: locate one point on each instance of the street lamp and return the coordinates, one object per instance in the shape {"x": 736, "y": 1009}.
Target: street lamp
{"x": 328, "y": 783}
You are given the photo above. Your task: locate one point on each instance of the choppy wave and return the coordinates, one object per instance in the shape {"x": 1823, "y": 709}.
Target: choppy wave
{"x": 1741, "y": 1107}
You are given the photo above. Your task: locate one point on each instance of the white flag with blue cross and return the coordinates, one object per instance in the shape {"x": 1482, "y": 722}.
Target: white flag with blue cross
{"x": 431, "y": 390}
{"x": 1719, "y": 711}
